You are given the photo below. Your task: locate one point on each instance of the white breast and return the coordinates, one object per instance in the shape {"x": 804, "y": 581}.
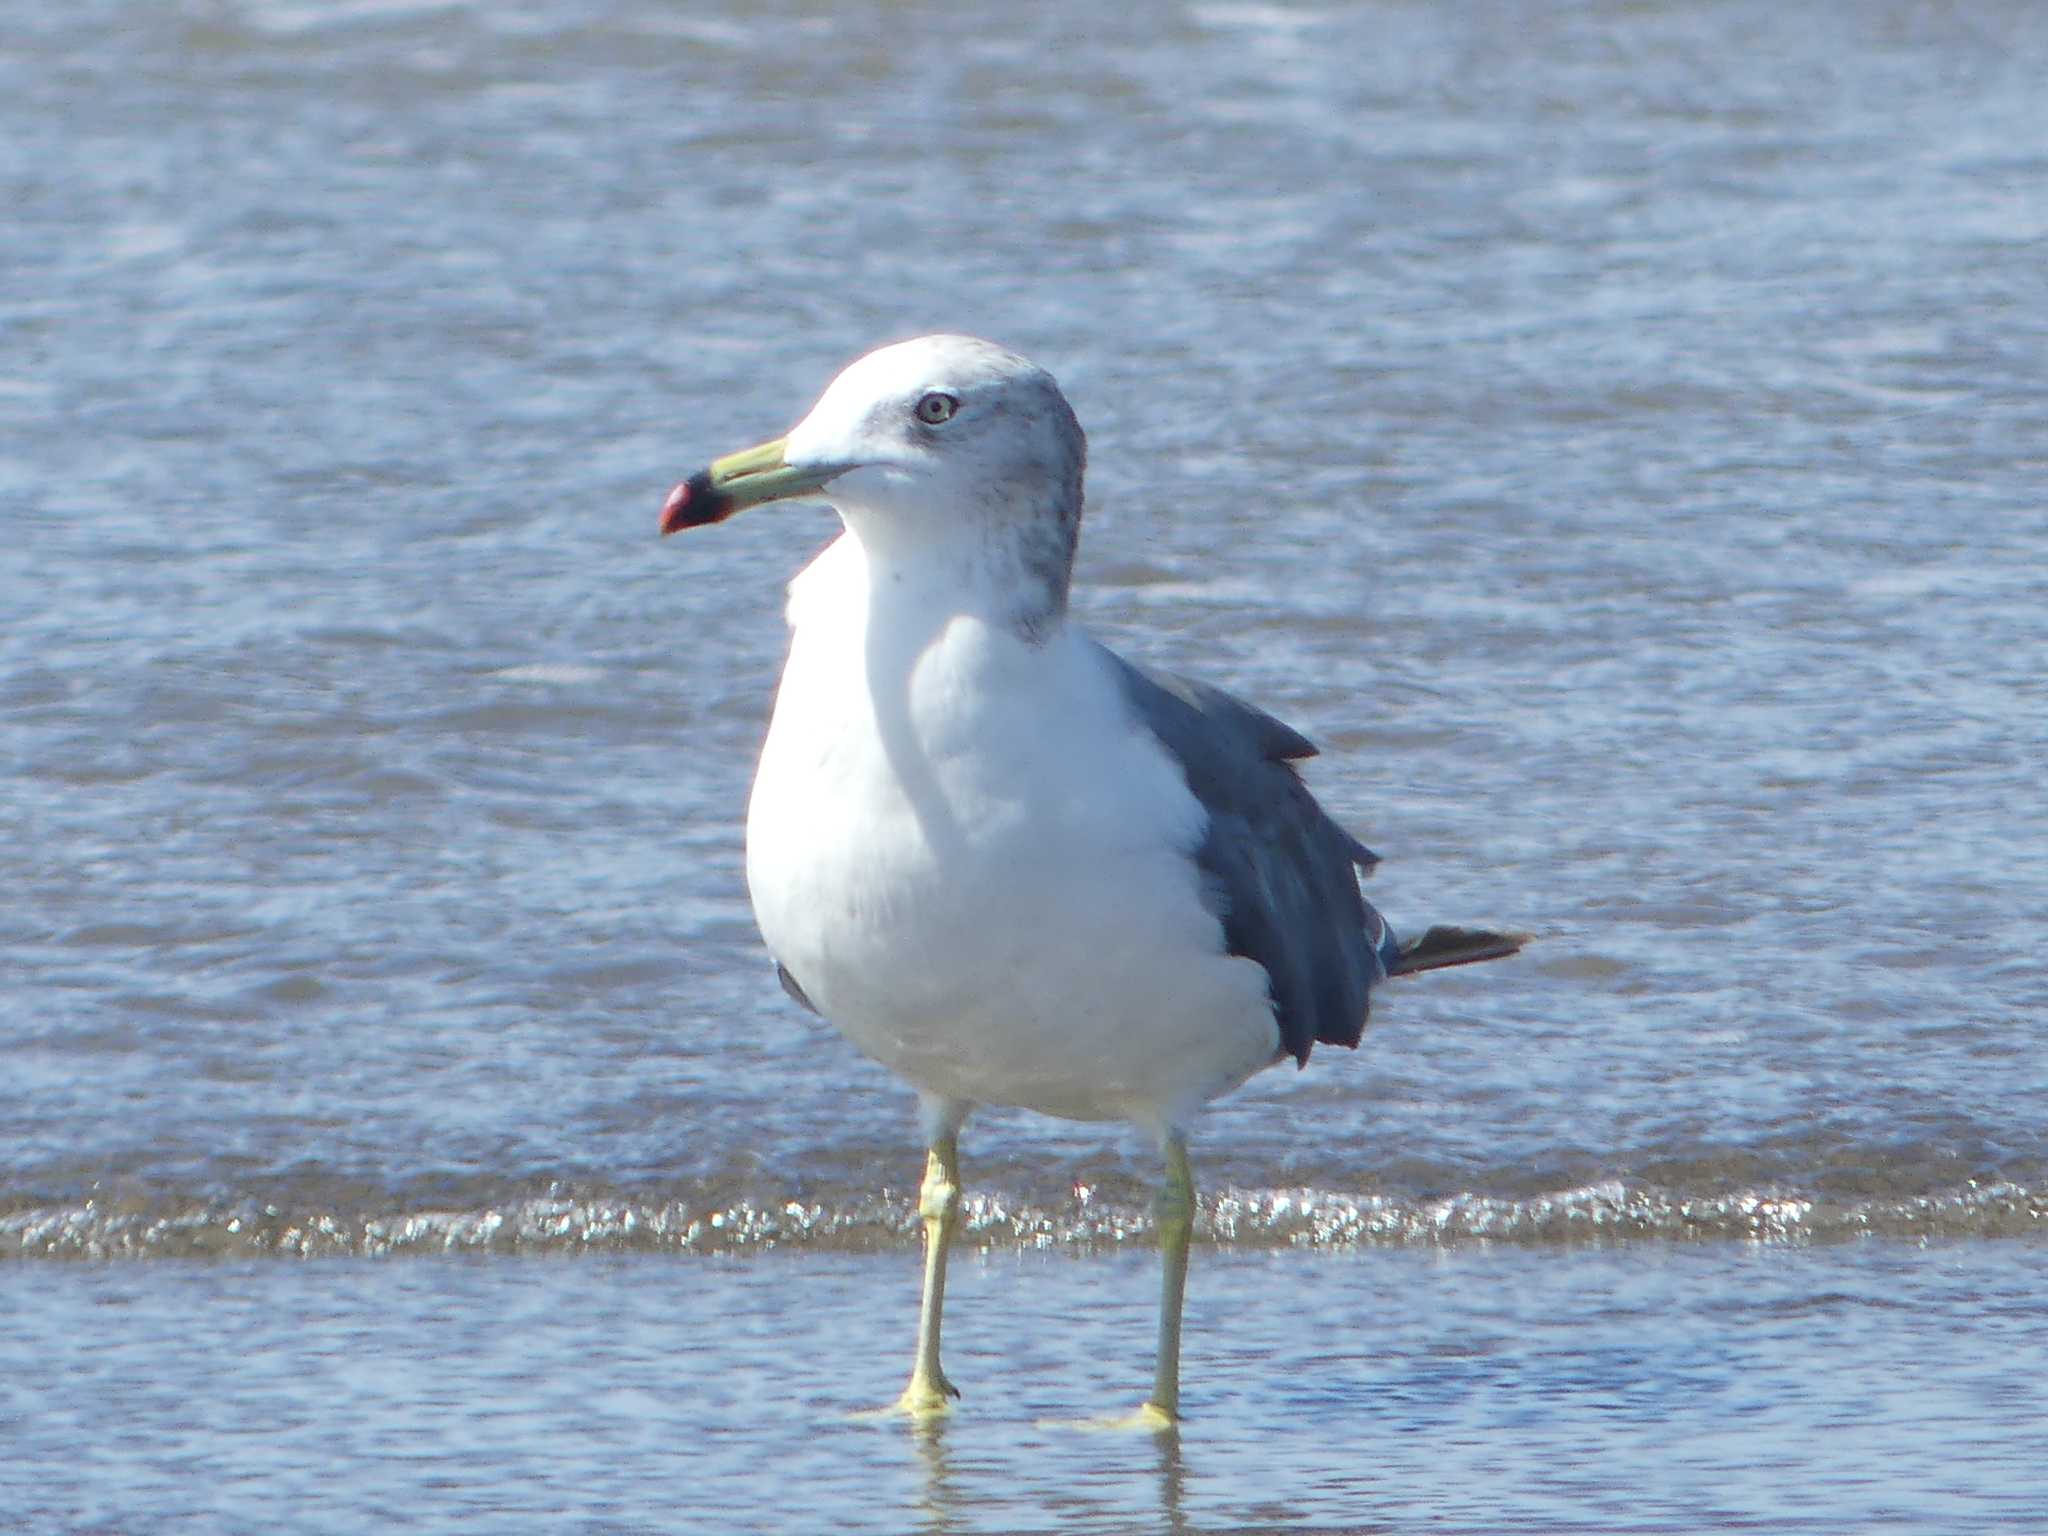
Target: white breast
{"x": 978, "y": 866}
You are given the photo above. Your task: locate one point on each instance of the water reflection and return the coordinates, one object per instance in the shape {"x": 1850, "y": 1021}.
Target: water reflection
{"x": 1172, "y": 1480}
{"x": 946, "y": 1504}
{"x": 939, "y": 1500}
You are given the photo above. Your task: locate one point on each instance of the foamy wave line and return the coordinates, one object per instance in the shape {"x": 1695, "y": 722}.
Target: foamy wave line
{"x": 1614, "y": 1211}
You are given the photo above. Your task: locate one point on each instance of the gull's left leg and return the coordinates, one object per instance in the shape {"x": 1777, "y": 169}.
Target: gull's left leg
{"x": 1175, "y": 1210}
{"x": 1176, "y": 1214}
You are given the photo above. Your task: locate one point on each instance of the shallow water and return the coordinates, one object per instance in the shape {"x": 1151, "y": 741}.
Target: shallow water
{"x": 1615, "y": 436}
{"x": 1647, "y": 1388}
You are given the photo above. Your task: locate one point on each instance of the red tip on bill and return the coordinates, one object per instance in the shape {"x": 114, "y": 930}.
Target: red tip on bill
{"x": 675, "y": 512}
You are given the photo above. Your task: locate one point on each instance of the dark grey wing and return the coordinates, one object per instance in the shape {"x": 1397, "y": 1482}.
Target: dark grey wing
{"x": 789, "y": 985}
{"x": 1283, "y": 875}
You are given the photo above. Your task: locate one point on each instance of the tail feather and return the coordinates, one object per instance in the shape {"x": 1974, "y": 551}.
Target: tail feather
{"x": 1446, "y": 945}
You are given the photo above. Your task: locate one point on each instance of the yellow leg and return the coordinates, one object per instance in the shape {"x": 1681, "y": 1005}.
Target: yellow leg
{"x": 1176, "y": 1223}
{"x": 1160, "y": 1413}
{"x": 938, "y": 1201}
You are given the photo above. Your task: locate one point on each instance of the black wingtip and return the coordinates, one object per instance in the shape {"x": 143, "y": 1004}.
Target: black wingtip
{"x": 1446, "y": 945}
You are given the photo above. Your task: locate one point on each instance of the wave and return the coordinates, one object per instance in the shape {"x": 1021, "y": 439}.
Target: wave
{"x": 561, "y": 1221}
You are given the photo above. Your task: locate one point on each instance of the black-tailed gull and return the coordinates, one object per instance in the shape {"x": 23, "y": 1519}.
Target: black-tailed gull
{"x": 1005, "y": 862}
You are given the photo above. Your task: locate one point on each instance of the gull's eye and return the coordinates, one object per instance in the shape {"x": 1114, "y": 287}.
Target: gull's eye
{"x": 936, "y": 407}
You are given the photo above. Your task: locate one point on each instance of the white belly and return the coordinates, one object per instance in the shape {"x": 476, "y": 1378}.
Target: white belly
{"x": 979, "y": 870}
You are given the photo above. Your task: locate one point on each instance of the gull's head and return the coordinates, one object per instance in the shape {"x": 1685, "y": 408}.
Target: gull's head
{"x": 942, "y": 443}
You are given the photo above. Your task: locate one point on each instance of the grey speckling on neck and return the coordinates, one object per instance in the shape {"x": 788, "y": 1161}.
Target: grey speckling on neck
{"x": 1045, "y": 533}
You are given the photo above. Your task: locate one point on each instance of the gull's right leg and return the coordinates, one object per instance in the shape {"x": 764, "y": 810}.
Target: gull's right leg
{"x": 938, "y": 1202}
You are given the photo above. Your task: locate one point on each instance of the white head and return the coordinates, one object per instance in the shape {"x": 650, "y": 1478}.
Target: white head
{"x": 944, "y": 447}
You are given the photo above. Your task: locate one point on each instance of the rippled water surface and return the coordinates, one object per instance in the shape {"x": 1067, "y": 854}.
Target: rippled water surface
{"x": 1615, "y": 434}
{"x": 1673, "y": 1389}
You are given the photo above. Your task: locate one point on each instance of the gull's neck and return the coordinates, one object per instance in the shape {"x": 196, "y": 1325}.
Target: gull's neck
{"x": 1009, "y": 570}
